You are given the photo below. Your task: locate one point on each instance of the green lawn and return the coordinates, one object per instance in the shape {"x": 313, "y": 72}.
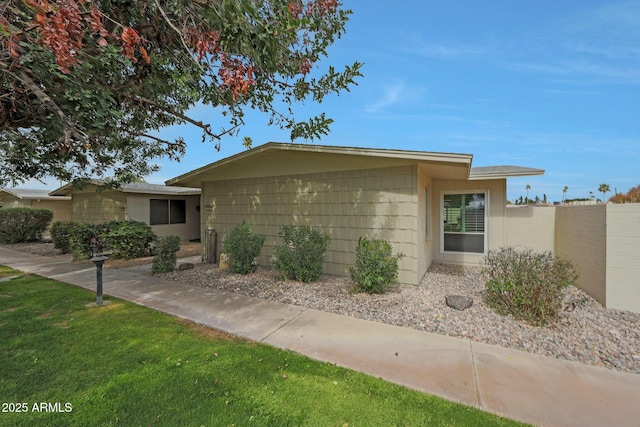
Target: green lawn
{"x": 125, "y": 365}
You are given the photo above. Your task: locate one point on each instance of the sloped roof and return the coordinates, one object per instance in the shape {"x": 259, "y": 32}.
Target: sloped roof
{"x": 498, "y": 172}
{"x": 288, "y": 159}
{"x": 277, "y": 150}
{"x": 136, "y": 187}
{"x": 31, "y": 194}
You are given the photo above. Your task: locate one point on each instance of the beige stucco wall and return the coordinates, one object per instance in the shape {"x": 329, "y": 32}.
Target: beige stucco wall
{"x": 96, "y": 207}
{"x": 61, "y": 208}
{"x": 376, "y": 203}
{"x": 138, "y": 209}
{"x": 531, "y": 227}
{"x": 496, "y": 211}
{"x": 581, "y": 238}
{"x": 623, "y": 257}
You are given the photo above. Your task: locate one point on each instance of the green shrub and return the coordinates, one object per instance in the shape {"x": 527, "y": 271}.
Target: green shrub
{"x": 526, "y": 284}
{"x": 23, "y": 224}
{"x": 128, "y": 239}
{"x": 60, "y": 235}
{"x": 301, "y": 256}
{"x": 243, "y": 247}
{"x": 376, "y": 267}
{"x": 165, "y": 259}
{"x": 85, "y": 240}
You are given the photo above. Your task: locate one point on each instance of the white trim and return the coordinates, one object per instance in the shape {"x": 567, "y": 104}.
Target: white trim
{"x": 428, "y": 214}
{"x": 487, "y": 203}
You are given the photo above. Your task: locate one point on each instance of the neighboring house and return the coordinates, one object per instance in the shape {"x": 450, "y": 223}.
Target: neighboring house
{"x": 22, "y": 197}
{"x": 430, "y": 206}
{"x": 168, "y": 210}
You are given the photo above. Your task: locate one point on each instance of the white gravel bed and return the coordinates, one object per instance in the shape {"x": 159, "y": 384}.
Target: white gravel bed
{"x": 585, "y": 332}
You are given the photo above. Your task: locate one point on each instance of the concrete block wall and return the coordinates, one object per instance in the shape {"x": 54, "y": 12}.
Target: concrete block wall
{"x": 581, "y": 237}
{"x": 377, "y": 203}
{"x": 531, "y": 227}
{"x": 623, "y": 257}
{"x": 602, "y": 241}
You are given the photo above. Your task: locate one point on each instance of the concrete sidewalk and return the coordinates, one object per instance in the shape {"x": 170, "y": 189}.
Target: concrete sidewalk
{"x": 535, "y": 389}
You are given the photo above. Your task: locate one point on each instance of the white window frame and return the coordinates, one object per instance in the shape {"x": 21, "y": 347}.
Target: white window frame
{"x": 487, "y": 203}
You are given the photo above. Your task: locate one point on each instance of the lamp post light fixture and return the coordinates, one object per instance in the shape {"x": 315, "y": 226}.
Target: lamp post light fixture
{"x": 99, "y": 260}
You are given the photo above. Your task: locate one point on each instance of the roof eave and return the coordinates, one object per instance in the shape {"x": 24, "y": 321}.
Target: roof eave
{"x": 191, "y": 177}
{"x": 503, "y": 175}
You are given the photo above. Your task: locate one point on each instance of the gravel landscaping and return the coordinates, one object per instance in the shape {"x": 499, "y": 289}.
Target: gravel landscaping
{"x": 585, "y": 332}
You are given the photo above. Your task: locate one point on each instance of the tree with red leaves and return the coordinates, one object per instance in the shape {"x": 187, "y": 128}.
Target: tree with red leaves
{"x": 632, "y": 196}
{"x": 87, "y": 84}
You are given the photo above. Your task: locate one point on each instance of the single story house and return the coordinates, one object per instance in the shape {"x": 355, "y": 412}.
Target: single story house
{"x": 168, "y": 210}
{"x": 40, "y": 199}
{"x": 429, "y": 206}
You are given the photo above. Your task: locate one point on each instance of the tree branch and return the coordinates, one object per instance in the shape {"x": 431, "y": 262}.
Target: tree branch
{"x": 179, "y": 146}
{"x": 204, "y": 126}
{"x": 173, "y": 27}
{"x": 70, "y": 128}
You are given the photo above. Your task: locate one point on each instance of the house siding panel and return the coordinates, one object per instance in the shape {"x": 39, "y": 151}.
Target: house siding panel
{"x": 377, "y": 203}
{"x": 15, "y": 202}
{"x": 96, "y": 207}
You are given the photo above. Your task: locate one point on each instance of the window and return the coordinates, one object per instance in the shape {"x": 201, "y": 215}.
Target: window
{"x": 164, "y": 211}
{"x": 177, "y": 211}
{"x": 464, "y": 222}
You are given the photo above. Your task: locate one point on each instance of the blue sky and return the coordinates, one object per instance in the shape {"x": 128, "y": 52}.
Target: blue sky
{"x": 546, "y": 84}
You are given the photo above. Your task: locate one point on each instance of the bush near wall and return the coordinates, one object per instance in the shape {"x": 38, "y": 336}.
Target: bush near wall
{"x": 60, "y": 235}
{"x": 123, "y": 239}
{"x": 243, "y": 247}
{"x": 128, "y": 239}
{"x": 526, "y": 284}
{"x": 301, "y": 256}
{"x": 23, "y": 224}
{"x": 165, "y": 258}
{"x": 85, "y": 240}
{"x": 376, "y": 267}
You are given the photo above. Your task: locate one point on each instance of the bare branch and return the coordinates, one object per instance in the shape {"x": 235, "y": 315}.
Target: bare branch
{"x": 204, "y": 126}
{"x": 178, "y": 146}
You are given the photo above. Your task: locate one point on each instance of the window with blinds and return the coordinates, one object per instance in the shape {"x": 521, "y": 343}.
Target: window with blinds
{"x": 464, "y": 222}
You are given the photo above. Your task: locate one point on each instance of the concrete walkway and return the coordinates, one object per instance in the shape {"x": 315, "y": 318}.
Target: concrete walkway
{"x": 531, "y": 388}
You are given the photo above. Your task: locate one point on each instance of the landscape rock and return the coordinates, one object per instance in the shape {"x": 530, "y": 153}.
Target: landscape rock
{"x": 185, "y": 266}
{"x": 459, "y": 302}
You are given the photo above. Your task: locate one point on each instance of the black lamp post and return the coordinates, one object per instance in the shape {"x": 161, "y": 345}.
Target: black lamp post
{"x": 99, "y": 260}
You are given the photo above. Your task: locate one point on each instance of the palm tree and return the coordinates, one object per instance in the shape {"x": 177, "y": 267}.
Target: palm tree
{"x": 564, "y": 194}
{"x": 604, "y": 188}
{"x": 528, "y": 187}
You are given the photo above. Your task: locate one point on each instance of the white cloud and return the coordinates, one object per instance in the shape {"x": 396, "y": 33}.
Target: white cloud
{"x": 391, "y": 94}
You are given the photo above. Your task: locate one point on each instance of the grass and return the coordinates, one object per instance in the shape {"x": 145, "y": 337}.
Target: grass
{"x": 125, "y": 365}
